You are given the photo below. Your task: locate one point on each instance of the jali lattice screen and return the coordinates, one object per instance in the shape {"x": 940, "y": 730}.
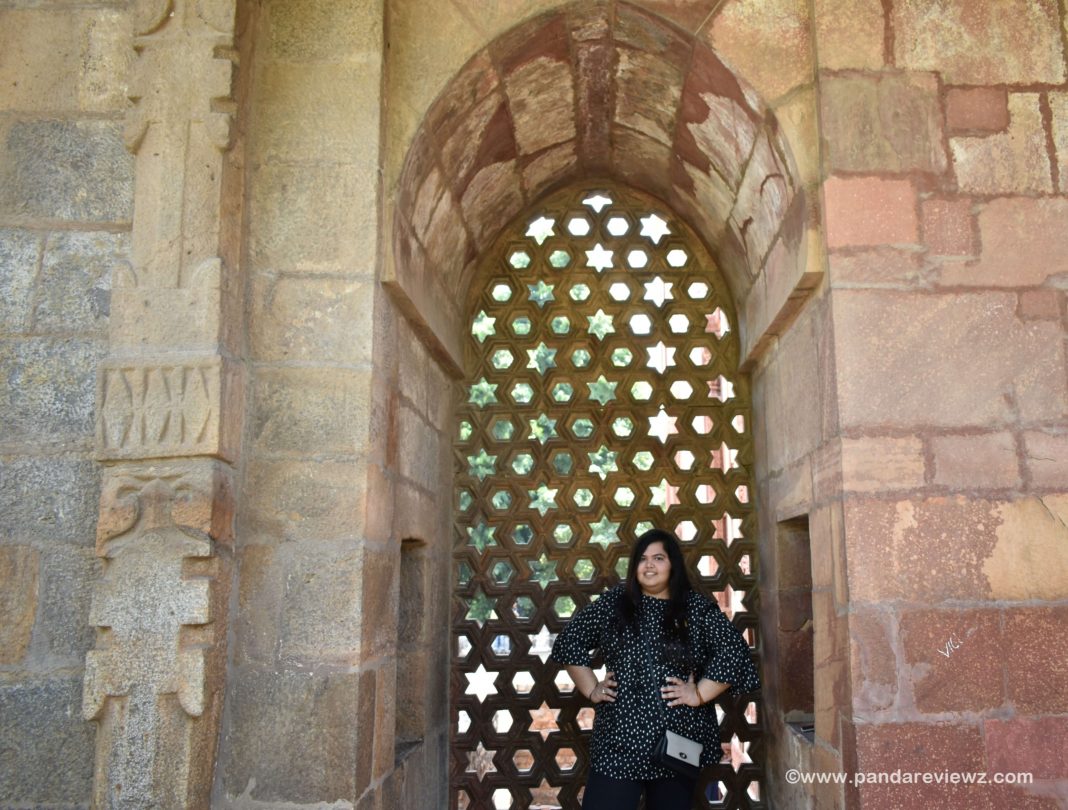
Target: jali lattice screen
{"x": 603, "y": 399}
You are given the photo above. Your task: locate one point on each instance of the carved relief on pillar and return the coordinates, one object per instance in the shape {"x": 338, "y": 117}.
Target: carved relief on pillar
{"x": 154, "y": 680}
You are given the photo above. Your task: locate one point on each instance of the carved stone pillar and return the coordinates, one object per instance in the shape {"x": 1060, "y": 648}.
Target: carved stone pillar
{"x": 168, "y": 422}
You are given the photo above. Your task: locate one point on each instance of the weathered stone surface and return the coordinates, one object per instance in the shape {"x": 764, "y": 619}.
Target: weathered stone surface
{"x": 647, "y": 89}
{"x": 20, "y": 252}
{"x": 1015, "y": 162}
{"x": 687, "y": 14}
{"x": 46, "y": 498}
{"x": 849, "y": 34}
{"x": 48, "y": 748}
{"x": 326, "y": 30}
{"x": 977, "y": 110}
{"x": 873, "y": 662}
{"x": 303, "y": 411}
{"x": 1030, "y": 558}
{"x": 71, "y": 170}
{"x": 66, "y": 584}
{"x": 1046, "y": 456}
{"x": 1036, "y": 659}
{"x": 1040, "y": 305}
{"x": 925, "y": 551}
{"x": 980, "y": 43}
{"x": 881, "y": 267}
{"x": 295, "y": 318}
{"x": 869, "y": 211}
{"x": 949, "y": 227}
{"x": 492, "y": 199}
{"x": 764, "y": 196}
{"x": 976, "y": 461}
{"x": 889, "y": 123}
{"x": 797, "y": 115}
{"x": 293, "y": 736}
{"x": 953, "y": 659}
{"x": 301, "y": 219}
{"x": 19, "y": 572}
{"x": 1038, "y": 746}
{"x": 792, "y": 397}
{"x": 641, "y": 160}
{"x": 340, "y": 98}
{"x": 542, "y": 102}
{"x": 49, "y": 396}
{"x": 880, "y": 464}
{"x": 64, "y": 59}
{"x": 549, "y": 167}
{"x": 953, "y": 356}
{"x": 722, "y": 131}
{"x": 76, "y": 281}
{"x": 770, "y": 44}
{"x": 1023, "y": 244}
{"x": 1058, "y": 103}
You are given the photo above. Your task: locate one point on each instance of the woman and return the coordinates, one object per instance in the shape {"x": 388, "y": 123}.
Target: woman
{"x": 669, "y": 652}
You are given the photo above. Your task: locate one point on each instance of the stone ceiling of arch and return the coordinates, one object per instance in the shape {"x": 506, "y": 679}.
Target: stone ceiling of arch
{"x": 593, "y": 90}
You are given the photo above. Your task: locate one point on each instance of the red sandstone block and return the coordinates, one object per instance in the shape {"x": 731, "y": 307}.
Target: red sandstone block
{"x": 955, "y": 659}
{"x": 919, "y": 747}
{"x": 873, "y": 662}
{"x": 1040, "y": 305}
{"x": 868, "y": 211}
{"x": 977, "y": 109}
{"x": 949, "y": 227}
{"x": 1036, "y": 659}
{"x": 1035, "y": 745}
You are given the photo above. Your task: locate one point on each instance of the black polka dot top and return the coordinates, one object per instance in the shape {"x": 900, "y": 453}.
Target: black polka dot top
{"x": 625, "y": 732}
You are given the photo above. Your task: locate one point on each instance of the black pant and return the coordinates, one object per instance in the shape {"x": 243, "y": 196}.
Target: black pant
{"x": 605, "y": 793}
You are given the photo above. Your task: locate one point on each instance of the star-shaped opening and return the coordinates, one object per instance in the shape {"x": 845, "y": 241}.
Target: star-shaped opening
{"x": 481, "y": 465}
{"x": 661, "y": 357}
{"x": 541, "y": 229}
{"x": 483, "y": 393}
{"x": 599, "y": 258}
{"x": 481, "y": 536}
{"x": 543, "y": 428}
{"x": 543, "y": 499}
{"x": 482, "y": 327}
{"x": 543, "y": 720}
{"x": 597, "y": 202}
{"x": 602, "y": 390}
{"x": 600, "y": 324}
{"x": 541, "y": 293}
{"x": 654, "y": 228}
{"x": 605, "y": 532}
{"x": 661, "y": 426}
{"x": 658, "y": 291}
{"x": 542, "y": 358}
{"x": 603, "y": 461}
{"x": 543, "y": 571}
{"x": 664, "y": 495}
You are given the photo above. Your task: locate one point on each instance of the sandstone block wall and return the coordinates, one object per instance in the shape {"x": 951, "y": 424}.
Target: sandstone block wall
{"x": 66, "y": 188}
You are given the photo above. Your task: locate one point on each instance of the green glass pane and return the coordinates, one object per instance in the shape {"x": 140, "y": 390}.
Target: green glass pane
{"x": 481, "y": 536}
{"x": 580, "y": 292}
{"x": 583, "y": 498}
{"x": 524, "y": 609}
{"x": 622, "y": 426}
{"x": 501, "y": 499}
{"x": 580, "y": 358}
{"x": 522, "y": 393}
{"x": 603, "y": 461}
{"x": 561, "y": 325}
{"x": 502, "y": 573}
{"x": 465, "y": 430}
{"x": 562, "y": 392}
{"x": 563, "y": 462}
{"x": 541, "y": 293}
{"x": 543, "y": 571}
{"x": 520, "y": 259}
{"x": 542, "y": 429}
{"x": 483, "y": 393}
{"x": 542, "y": 358}
{"x": 583, "y": 428}
{"x": 643, "y": 460}
{"x": 562, "y": 533}
{"x": 522, "y": 534}
{"x": 601, "y": 390}
{"x": 464, "y": 572}
{"x": 585, "y": 570}
{"x": 641, "y": 391}
{"x": 464, "y": 501}
{"x": 481, "y": 465}
{"x": 481, "y": 608}
{"x": 564, "y": 607}
{"x": 559, "y": 259}
{"x": 523, "y": 463}
{"x": 604, "y": 532}
{"x": 503, "y": 430}
{"x": 502, "y": 359}
{"x": 543, "y": 499}
{"x": 482, "y": 327}
{"x": 622, "y": 357}
{"x": 600, "y": 324}
{"x": 521, "y": 325}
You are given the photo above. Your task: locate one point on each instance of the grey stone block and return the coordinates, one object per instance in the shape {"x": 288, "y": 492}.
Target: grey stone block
{"x": 50, "y": 390}
{"x": 19, "y": 253}
{"x": 53, "y": 499}
{"x": 74, "y": 291}
{"x": 73, "y": 170}
{"x": 63, "y": 629}
{"x": 46, "y": 748}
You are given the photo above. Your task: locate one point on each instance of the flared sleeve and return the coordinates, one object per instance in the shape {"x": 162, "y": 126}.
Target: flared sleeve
{"x": 583, "y": 633}
{"x": 729, "y": 659}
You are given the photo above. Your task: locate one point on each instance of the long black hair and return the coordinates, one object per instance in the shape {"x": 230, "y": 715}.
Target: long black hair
{"x": 679, "y": 587}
